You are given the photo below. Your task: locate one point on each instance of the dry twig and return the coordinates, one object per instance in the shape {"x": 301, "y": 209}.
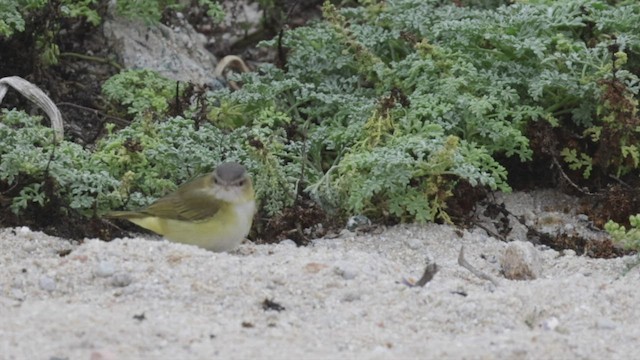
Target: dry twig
{"x": 465, "y": 264}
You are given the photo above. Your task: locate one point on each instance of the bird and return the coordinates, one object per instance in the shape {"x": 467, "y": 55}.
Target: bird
{"x": 214, "y": 211}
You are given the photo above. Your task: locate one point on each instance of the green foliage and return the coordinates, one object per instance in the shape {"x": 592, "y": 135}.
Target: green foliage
{"x": 578, "y": 161}
{"x": 10, "y": 18}
{"x": 141, "y": 91}
{"x": 151, "y": 11}
{"x": 382, "y": 109}
{"x": 14, "y": 12}
{"x": 29, "y": 158}
{"x": 147, "y": 10}
{"x": 630, "y": 239}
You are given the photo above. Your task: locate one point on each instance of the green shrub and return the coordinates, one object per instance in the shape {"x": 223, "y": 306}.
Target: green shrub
{"x": 381, "y": 109}
{"x": 630, "y": 239}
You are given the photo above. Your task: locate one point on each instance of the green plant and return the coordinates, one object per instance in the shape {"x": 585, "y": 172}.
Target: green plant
{"x": 381, "y": 109}
{"x": 140, "y": 91}
{"x": 630, "y": 239}
{"x": 42, "y": 19}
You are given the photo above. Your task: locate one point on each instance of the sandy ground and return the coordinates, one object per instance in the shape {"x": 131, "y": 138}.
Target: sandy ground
{"x": 341, "y": 298}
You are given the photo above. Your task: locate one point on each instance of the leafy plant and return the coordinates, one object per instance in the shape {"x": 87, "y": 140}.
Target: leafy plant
{"x": 140, "y": 91}
{"x": 381, "y": 109}
{"x": 629, "y": 238}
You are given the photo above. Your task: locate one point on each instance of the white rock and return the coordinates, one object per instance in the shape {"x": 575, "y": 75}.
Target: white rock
{"x": 104, "y": 269}
{"x": 520, "y": 261}
{"x": 47, "y": 283}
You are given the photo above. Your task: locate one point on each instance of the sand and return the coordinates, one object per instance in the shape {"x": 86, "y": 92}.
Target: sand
{"x": 347, "y": 298}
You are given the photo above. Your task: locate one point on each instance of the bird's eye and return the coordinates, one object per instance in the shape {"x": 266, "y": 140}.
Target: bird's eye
{"x": 215, "y": 180}
{"x": 241, "y": 182}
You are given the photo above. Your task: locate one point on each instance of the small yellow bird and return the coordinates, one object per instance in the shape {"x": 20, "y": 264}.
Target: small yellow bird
{"x": 213, "y": 211}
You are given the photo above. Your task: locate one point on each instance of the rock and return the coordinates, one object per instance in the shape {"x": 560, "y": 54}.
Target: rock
{"x": 29, "y": 246}
{"x": 346, "y": 270}
{"x": 550, "y": 323}
{"x": 287, "y": 242}
{"x": 25, "y": 232}
{"x": 121, "y": 280}
{"x": 358, "y": 222}
{"x": 520, "y": 261}
{"x": 413, "y": 243}
{"x": 606, "y": 324}
{"x": 47, "y": 283}
{"x": 178, "y": 54}
{"x": 104, "y": 269}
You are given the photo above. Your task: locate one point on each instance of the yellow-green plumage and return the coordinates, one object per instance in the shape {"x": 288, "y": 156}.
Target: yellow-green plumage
{"x": 214, "y": 211}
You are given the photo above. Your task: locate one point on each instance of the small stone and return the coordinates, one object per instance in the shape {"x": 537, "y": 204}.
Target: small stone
{"x": 569, "y": 252}
{"x": 47, "y": 284}
{"x": 550, "y": 323}
{"x": 25, "y": 232}
{"x": 287, "y": 242}
{"x": 351, "y": 296}
{"x": 18, "y": 294}
{"x": 520, "y": 261}
{"x": 413, "y": 243}
{"x": 606, "y": 324}
{"x": 121, "y": 280}
{"x": 583, "y": 217}
{"x": 104, "y": 269}
{"x": 29, "y": 246}
{"x": 356, "y": 222}
{"x": 346, "y": 270}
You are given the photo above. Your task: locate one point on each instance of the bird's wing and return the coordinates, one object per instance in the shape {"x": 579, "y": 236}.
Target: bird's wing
{"x": 190, "y": 202}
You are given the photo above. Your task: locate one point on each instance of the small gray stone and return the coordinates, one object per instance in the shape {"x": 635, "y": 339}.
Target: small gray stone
{"x": 583, "y": 217}
{"x": 287, "y": 242}
{"x": 18, "y": 294}
{"x": 550, "y": 323}
{"x": 357, "y": 222}
{"x": 606, "y": 324}
{"x": 47, "y": 284}
{"x": 351, "y": 296}
{"x": 104, "y": 269}
{"x": 121, "y": 280}
{"x": 29, "y": 246}
{"x": 347, "y": 271}
{"x": 413, "y": 243}
{"x": 520, "y": 261}
{"x": 569, "y": 228}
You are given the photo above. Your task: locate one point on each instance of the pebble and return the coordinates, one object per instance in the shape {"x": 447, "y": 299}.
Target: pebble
{"x": 582, "y": 217}
{"x": 25, "y": 232}
{"x": 358, "y": 221}
{"x": 351, "y": 296}
{"x": 550, "y": 323}
{"x": 104, "y": 269}
{"x": 121, "y": 280}
{"x": 18, "y": 294}
{"x": 47, "y": 283}
{"x": 29, "y": 246}
{"x": 606, "y": 324}
{"x": 520, "y": 261}
{"x": 347, "y": 271}
{"x": 413, "y": 243}
{"x": 287, "y": 242}
{"x": 569, "y": 228}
